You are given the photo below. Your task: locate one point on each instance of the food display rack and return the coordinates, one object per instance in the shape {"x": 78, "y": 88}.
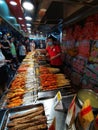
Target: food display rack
{"x": 50, "y": 112}
{"x": 35, "y": 95}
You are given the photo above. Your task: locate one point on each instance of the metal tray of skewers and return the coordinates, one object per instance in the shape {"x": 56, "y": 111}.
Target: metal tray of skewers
{"x": 25, "y": 118}
{"x": 2, "y": 113}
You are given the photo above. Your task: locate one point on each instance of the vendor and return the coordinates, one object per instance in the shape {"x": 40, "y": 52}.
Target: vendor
{"x": 3, "y": 72}
{"x": 54, "y": 52}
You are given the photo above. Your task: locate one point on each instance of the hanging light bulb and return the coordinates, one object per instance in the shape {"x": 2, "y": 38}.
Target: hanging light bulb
{"x": 29, "y": 25}
{"x": 28, "y": 5}
{"x": 13, "y": 3}
{"x": 28, "y": 18}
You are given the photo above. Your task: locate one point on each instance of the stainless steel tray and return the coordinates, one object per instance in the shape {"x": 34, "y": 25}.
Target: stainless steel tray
{"x": 17, "y": 110}
{"x": 51, "y": 93}
{"x": 60, "y": 115}
{"x": 61, "y": 87}
{"x": 3, "y": 101}
{"x": 2, "y": 114}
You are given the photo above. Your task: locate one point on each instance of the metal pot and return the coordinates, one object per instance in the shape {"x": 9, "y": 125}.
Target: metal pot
{"x": 84, "y": 94}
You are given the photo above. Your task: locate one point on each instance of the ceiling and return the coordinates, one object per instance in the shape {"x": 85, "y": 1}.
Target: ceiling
{"x": 49, "y": 15}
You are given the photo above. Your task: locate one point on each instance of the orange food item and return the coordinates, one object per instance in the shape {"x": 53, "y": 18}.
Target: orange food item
{"x": 48, "y": 81}
{"x": 19, "y": 82}
{"x": 14, "y": 104}
{"x": 13, "y": 95}
{"x": 22, "y": 69}
{"x": 43, "y": 70}
{"x": 13, "y": 99}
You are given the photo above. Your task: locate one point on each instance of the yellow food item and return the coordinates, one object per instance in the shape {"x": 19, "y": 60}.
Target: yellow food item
{"x": 86, "y": 115}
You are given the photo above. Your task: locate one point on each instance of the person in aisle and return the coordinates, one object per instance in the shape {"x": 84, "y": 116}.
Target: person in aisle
{"x": 6, "y": 47}
{"x": 27, "y": 44}
{"x": 54, "y": 52}
{"x": 22, "y": 51}
{"x": 6, "y": 50}
{"x": 14, "y": 54}
{"x": 32, "y": 45}
{"x": 17, "y": 48}
{"x": 3, "y": 71}
{"x": 41, "y": 44}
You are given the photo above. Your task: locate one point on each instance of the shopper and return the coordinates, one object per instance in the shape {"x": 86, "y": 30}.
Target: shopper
{"x": 41, "y": 45}
{"x": 6, "y": 47}
{"x": 3, "y": 71}
{"x": 32, "y": 45}
{"x": 14, "y": 57}
{"x": 22, "y": 52}
{"x": 27, "y": 44}
{"x": 54, "y": 52}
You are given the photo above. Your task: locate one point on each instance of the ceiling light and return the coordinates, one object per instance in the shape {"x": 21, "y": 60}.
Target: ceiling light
{"x": 20, "y": 18}
{"x": 29, "y": 28}
{"x": 1, "y": 2}
{"x": 0, "y": 33}
{"x": 28, "y": 24}
{"x": 22, "y": 25}
{"x": 29, "y": 31}
{"x": 28, "y": 18}
{"x": 28, "y": 5}
{"x": 11, "y": 17}
{"x": 13, "y": 3}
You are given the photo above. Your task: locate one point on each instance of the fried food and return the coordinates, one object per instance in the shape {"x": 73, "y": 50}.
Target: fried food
{"x": 26, "y": 113}
{"x": 53, "y": 81}
{"x": 31, "y": 120}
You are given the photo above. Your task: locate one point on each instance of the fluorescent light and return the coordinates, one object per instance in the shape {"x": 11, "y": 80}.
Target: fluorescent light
{"x": 13, "y": 3}
{"x": 29, "y": 28}
{"x": 1, "y": 2}
{"x": 28, "y": 18}
{"x": 20, "y": 18}
{"x": 0, "y": 33}
{"x": 29, "y": 31}
{"x": 28, "y": 24}
{"x": 11, "y": 17}
{"x": 22, "y": 25}
{"x": 28, "y": 5}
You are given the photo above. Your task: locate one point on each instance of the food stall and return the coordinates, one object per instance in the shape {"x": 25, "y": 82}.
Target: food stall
{"x": 30, "y": 104}
{"x": 40, "y": 97}
{"x": 27, "y": 90}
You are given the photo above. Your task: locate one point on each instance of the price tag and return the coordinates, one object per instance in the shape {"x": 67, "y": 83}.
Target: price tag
{"x": 58, "y": 101}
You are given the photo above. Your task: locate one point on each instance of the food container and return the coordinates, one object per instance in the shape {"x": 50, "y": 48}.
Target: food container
{"x": 84, "y": 94}
{"x": 10, "y": 120}
{"x": 2, "y": 114}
